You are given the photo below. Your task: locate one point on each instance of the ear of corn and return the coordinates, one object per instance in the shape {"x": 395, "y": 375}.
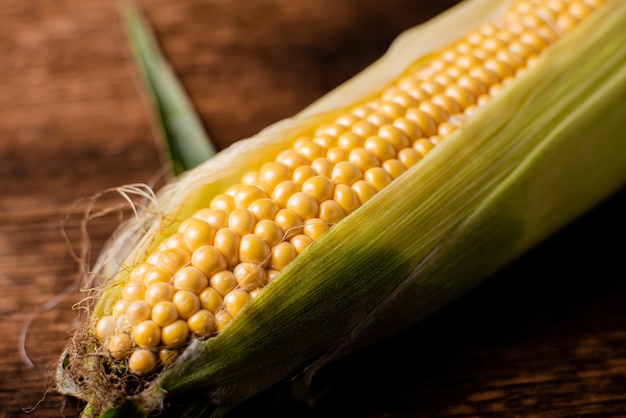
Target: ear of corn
{"x": 541, "y": 152}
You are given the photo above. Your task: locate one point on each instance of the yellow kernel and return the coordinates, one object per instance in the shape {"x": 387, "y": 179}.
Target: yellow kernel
{"x": 495, "y": 89}
{"x": 158, "y": 292}
{"x": 245, "y": 195}
{"x": 137, "y": 311}
{"x": 403, "y": 99}
{"x": 349, "y": 141}
{"x": 222, "y": 202}
{"x": 391, "y": 110}
{"x": 346, "y": 120}
{"x": 133, "y": 291}
{"x": 377, "y": 177}
{"x": 363, "y": 190}
{"x": 431, "y": 87}
{"x": 172, "y": 259}
{"x": 273, "y": 173}
{"x": 436, "y": 112}
{"x": 346, "y": 198}
{"x": 327, "y": 134}
{"x": 176, "y": 241}
{"x": 579, "y": 10}
{"x": 227, "y": 244}
{"x": 147, "y": 334}
{"x": 164, "y": 313}
{"x": 331, "y": 212}
{"x": 217, "y": 218}
{"x": 533, "y": 41}
{"x": 313, "y": 228}
{"x": 322, "y": 166}
{"x": 190, "y": 278}
{"x": 460, "y": 95}
{"x": 208, "y": 260}
{"x": 242, "y": 221}
{"x": 142, "y": 361}
{"x": 318, "y": 187}
{"x": 443, "y": 80}
{"x": 446, "y": 103}
{"x": 302, "y": 205}
{"x": 222, "y": 319}
{"x": 472, "y": 85}
{"x": 445, "y": 129}
{"x": 175, "y": 334}
{"x": 377, "y": 119}
{"x": 511, "y": 59}
{"x": 250, "y": 177}
{"x": 345, "y": 172}
{"x": 198, "y": 233}
{"x": 267, "y": 190}
{"x": 408, "y": 157}
{"x": 423, "y": 147}
{"x": 252, "y": 249}
{"x": 210, "y": 299}
{"x": 120, "y": 308}
{"x": 364, "y": 129}
{"x": 394, "y": 168}
{"x": 417, "y": 92}
{"x": 408, "y": 127}
{"x": 309, "y": 149}
{"x": 269, "y": 231}
{"x": 288, "y": 222}
{"x": 186, "y": 302}
{"x": 521, "y": 50}
{"x": 300, "y": 242}
{"x": 272, "y": 274}
{"x": 202, "y": 323}
{"x": 284, "y": 191}
{"x": 336, "y": 154}
{"x": 291, "y": 159}
{"x": 300, "y": 175}
{"x": 436, "y": 139}
{"x": 484, "y": 75}
{"x": 265, "y": 208}
{"x": 223, "y": 282}
{"x": 468, "y": 61}
{"x": 379, "y": 148}
{"x": 423, "y": 121}
{"x": 105, "y": 327}
{"x": 483, "y": 99}
{"x": 250, "y": 276}
{"x": 235, "y": 301}
{"x": 282, "y": 254}
{"x": 565, "y": 23}
{"x": 119, "y": 346}
{"x": 393, "y": 136}
{"x": 139, "y": 272}
{"x": 363, "y": 159}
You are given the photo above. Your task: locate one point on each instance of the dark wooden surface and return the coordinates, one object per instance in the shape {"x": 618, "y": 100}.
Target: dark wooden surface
{"x": 546, "y": 337}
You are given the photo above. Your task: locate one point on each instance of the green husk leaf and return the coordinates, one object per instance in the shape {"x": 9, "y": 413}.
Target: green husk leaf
{"x": 186, "y": 142}
{"x": 539, "y": 155}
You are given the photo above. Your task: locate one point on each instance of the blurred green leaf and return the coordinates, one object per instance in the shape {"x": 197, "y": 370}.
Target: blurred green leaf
{"x": 185, "y": 141}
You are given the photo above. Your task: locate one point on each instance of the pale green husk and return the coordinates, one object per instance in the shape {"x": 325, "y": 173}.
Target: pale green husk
{"x": 540, "y": 154}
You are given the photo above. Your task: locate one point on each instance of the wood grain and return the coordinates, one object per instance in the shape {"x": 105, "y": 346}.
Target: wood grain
{"x": 545, "y": 337}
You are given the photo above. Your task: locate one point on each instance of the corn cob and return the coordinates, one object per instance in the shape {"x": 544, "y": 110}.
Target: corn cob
{"x": 179, "y": 296}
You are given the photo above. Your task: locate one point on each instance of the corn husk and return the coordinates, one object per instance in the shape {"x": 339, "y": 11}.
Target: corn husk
{"x": 540, "y": 154}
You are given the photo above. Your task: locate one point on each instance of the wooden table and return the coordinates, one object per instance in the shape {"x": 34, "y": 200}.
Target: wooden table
{"x": 545, "y": 337}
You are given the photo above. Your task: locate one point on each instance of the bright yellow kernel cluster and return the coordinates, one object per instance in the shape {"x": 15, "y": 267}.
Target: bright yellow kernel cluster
{"x": 218, "y": 260}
